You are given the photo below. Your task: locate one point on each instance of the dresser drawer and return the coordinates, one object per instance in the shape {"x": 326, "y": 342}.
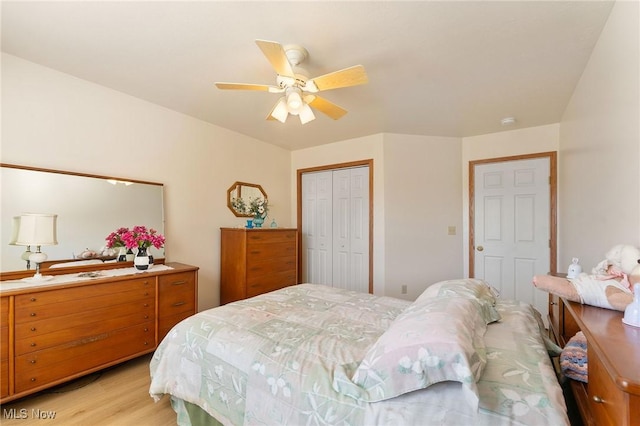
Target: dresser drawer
{"x": 79, "y": 294}
{"x": 30, "y": 338}
{"x": 270, "y": 237}
{"x": 4, "y": 378}
{"x": 271, "y": 282}
{"x": 605, "y": 399}
{"x": 136, "y": 311}
{"x": 259, "y": 252}
{"x": 176, "y": 294}
{"x": 166, "y": 323}
{"x": 4, "y": 343}
{"x": 4, "y": 312}
{"x": 41, "y": 311}
{"x": 265, "y": 267}
{"x": 42, "y": 367}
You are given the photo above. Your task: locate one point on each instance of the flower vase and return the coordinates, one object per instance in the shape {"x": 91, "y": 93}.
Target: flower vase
{"x": 141, "y": 261}
{"x": 258, "y": 221}
{"x": 130, "y": 256}
{"x": 249, "y": 223}
{"x": 122, "y": 254}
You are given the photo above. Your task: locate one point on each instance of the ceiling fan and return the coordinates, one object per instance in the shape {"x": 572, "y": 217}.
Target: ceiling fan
{"x": 300, "y": 91}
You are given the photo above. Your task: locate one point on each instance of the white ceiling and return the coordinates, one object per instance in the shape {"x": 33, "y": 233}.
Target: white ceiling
{"x": 438, "y": 68}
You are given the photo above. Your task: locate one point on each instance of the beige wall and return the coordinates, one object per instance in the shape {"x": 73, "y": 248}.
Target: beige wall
{"x": 496, "y": 145}
{"x": 53, "y": 120}
{"x": 599, "y": 159}
{"x": 422, "y": 187}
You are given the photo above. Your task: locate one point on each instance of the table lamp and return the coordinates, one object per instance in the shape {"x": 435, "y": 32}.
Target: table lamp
{"x": 14, "y": 237}
{"x": 37, "y": 230}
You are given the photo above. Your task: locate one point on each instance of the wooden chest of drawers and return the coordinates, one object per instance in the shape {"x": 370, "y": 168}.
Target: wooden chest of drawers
{"x": 612, "y": 396}
{"x": 53, "y": 333}
{"x": 256, "y": 261}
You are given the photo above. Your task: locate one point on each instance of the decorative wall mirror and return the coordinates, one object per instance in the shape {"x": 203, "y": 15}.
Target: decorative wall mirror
{"x": 243, "y": 192}
{"x": 89, "y": 207}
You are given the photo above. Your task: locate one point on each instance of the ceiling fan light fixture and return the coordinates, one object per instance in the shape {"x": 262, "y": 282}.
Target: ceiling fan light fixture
{"x": 280, "y": 112}
{"x": 306, "y": 114}
{"x": 294, "y": 100}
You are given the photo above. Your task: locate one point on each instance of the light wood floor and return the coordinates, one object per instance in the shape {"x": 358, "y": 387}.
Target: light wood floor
{"x": 116, "y": 396}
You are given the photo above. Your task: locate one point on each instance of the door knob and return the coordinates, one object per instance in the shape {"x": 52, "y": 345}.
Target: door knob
{"x": 480, "y": 248}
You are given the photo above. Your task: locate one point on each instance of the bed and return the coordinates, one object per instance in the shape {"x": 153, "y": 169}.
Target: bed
{"x": 315, "y": 355}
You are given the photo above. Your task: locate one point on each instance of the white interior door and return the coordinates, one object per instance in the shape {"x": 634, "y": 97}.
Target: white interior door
{"x": 512, "y": 227}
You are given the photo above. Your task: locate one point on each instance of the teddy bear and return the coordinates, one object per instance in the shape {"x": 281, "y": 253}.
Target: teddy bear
{"x": 610, "y": 284}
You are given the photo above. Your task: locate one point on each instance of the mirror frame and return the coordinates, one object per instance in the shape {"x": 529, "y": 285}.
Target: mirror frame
{"x": 17, "y": 274}
{"x": 237, "y": 186}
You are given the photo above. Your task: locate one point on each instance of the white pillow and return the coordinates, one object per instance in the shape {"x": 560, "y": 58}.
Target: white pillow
{"x": 433, "y": 340}
{"x": 468, "y": 288}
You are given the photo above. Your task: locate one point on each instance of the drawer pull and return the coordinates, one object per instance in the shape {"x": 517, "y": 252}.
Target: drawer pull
{"x": 146, "y": 305}
{"x": 33, "y": 299}
{"x": 179, "y": 282}
{"x": 146, "y": 329}
{"x": 146, "y": 293}
{"x": 33, "y": 344}
{"x": 597, "y": 399}
{"x": 179, "y": 303}
{"x": 33, "y": 329}
{"x": 33, "y": 361}
{"x": 146, "y": 317}
{"x": 552, "y": 303}
{"x": 33, "y": 314}
{"x": 33, "y": 379}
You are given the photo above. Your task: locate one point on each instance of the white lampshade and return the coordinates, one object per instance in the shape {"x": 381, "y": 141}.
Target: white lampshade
{"x": 294, "y": 100}
{"x": 15, "y": 228}
{"x": 306, "y": 115}
{"x": 280, "y": 112}
{"x": 37, "y": 230}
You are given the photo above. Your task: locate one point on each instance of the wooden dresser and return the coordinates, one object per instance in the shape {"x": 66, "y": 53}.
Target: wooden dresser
{"x": 612, "y": 396}
{"x": 63, "y": 329}
{"x": 256, "y": 261}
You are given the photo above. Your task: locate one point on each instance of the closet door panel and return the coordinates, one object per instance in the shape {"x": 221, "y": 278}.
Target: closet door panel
{"x": 316, "y": 227}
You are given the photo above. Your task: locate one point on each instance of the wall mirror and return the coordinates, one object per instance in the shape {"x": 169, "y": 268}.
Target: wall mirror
{"x": 243, "y": 191}
{"x": 89, "y": 207}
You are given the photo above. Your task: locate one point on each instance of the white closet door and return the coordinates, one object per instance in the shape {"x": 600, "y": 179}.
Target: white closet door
{"x": 351, "y": 229}
{"x": 317, "y": 228}
{"x": 335, "y": 228}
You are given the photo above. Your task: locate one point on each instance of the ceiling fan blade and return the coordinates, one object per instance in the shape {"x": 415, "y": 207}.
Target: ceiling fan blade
{"x": 276, "y": 56}
{"x": 325, "y": 106}
{"x": 351, "y": 76}
{"x": 244, "y": 86}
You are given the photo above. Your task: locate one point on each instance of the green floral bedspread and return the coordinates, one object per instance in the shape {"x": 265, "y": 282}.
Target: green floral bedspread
{"x": 270, "y": 360}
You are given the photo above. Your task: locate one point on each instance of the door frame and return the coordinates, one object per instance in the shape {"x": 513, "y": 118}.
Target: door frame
{"x": 348, "y": 165}
{"x": 553, "y": 201}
